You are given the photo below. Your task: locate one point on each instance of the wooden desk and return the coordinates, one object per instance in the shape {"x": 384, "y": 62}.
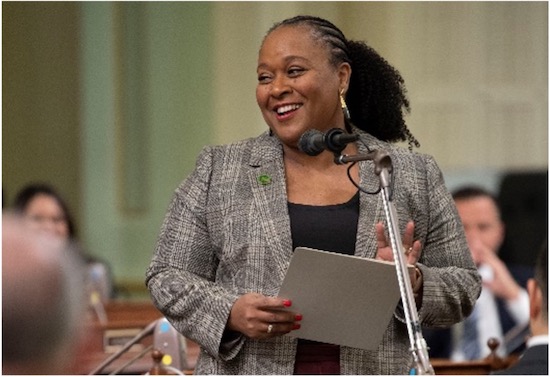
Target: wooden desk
{"x": 475, "y": 367}
{"x": 447, "y": 367}
{"x": 133, "y": 317}
{"x": 125, "y": 320}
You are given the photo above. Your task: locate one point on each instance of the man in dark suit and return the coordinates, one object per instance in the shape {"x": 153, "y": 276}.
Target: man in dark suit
{"x": 535, "y": 358}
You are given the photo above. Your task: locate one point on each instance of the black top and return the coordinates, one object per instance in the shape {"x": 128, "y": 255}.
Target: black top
{"x": 329, "y": 228}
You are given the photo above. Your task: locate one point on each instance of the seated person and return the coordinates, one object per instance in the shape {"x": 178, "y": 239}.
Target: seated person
{"x": 46, "y": 211}
{"x": 502, "y": 305}
{"x": 535, "y": 358}
{"x": 43, "y": 302}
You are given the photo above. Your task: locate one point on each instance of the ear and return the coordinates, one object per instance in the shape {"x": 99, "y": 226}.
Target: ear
{"x": 535, "y": 298}
{"x": 344, "y": 74}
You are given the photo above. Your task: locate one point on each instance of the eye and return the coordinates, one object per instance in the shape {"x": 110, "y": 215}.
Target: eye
{"x": 264, "y": 78}
{"x": 295, "y": 71}
{"x": 484, "y": 227}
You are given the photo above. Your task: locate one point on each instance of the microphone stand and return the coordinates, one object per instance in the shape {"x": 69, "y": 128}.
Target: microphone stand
{"x": 383, "y": 168}
{"x": 142, "y": 334}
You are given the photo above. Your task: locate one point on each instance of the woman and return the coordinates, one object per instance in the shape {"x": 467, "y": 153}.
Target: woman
{"x": 232, "y": 225}
{"x": 46, "y": 210}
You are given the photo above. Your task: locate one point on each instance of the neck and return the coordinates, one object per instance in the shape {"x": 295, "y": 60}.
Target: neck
{"x": 539, "y": 326}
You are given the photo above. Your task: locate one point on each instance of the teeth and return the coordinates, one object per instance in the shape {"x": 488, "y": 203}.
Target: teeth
{"x": 287, "y": 108}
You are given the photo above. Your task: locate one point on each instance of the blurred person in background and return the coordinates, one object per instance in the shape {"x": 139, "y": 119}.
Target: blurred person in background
{"x": 43, "y": 301}
{"x": 503, "y": 305}
{"x": 46, "y": 210}
{"x": 535, "y": 358}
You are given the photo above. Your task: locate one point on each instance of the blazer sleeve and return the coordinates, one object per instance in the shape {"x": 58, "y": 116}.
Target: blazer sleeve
{"x": 183, "y": 268}
{"x": 451, "y": 281}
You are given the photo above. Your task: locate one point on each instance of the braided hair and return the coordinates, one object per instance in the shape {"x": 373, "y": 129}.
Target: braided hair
{"x": 376, "y": 98}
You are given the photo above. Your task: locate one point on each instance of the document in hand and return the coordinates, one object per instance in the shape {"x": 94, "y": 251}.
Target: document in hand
{"x": 345, "y": 300}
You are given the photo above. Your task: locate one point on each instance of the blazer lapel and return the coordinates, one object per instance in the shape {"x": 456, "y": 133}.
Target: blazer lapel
{"x": 371, "y": 205}
{"x": 268, "y": 185}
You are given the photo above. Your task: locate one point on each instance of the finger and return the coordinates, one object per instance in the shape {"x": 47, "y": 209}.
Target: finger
{"x": 275, "y": 329}
{"x": 381, "y": 236}
{"x": 283, "y": 317}
{"x": 274, "y": 303}
{"x": 414, "y": 255}
{"x": 408, "y": 235}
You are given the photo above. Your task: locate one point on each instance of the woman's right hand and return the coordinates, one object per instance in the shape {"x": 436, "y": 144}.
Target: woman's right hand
{"x": 260, "y": 317}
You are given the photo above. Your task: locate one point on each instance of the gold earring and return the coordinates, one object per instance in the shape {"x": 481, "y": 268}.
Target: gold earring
{"x": 345, "y": 109}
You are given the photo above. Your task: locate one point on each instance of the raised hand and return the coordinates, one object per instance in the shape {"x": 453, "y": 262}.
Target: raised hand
{"x": 412, "y": 248}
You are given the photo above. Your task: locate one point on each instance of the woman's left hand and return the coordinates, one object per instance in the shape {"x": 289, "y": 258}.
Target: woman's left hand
{"x": 412, "y": 253}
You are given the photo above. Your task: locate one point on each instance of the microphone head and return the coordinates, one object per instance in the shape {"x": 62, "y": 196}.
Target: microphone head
{"x": 336, "y": 139}
{"x": 312, "y": 142}
{"x": 171, "y": 343}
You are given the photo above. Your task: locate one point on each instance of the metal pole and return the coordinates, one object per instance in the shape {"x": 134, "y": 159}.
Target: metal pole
{"x": 383, "y": 168}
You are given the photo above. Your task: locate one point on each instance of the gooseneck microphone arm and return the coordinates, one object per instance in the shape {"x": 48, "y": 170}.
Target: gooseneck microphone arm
{"x": 383, "y": 168}
{"x": 142, "y": 334}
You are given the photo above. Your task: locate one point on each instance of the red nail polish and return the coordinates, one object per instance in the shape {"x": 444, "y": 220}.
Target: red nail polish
{"x": 287, "y": 303}
{"x": 298, "y": 317}
{"x": 296, "y": 326}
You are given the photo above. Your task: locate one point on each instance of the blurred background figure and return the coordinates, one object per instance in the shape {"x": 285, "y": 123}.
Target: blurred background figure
{"x": 43, "y": 303}
{"x": 503, "y": 304}
{"x": 46, "y": 210}
{"x": 535, "y": 358}
{"x": 502, "y": 309}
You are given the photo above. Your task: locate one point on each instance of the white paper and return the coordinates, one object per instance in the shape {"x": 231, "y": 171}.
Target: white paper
{"x": 345, "y": 300}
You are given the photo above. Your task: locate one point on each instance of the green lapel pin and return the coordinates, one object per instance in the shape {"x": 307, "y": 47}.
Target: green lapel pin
{"x": 264, "y": 179}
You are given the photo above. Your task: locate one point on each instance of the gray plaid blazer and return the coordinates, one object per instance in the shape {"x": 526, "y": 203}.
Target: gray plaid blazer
{"x": 227, "y": 232}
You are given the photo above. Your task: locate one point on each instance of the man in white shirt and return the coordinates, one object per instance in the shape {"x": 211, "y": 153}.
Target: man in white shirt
{"x": 485, "y": 233}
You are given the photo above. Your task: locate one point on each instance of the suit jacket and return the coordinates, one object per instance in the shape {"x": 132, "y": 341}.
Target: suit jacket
{"x": 533, "y": 361}
{"x": 227, "y": 232}
{"x": 440, "y": 341}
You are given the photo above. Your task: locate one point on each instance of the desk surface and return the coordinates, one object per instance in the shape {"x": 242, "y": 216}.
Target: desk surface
{"x": 131, "y": 317}
{"x": 135, "y": 316}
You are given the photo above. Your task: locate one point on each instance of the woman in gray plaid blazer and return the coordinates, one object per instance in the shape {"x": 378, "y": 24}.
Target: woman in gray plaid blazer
{"x": 231, "y": 227}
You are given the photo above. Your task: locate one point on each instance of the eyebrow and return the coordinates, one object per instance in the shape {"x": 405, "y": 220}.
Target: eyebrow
{"x": 287, "y": 59}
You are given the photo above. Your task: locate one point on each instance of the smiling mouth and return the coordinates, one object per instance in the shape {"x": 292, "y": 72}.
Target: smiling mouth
{"x": 284, "y": 110}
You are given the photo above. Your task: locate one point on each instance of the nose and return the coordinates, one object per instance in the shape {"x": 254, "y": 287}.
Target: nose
{"x": 279, "y": 87}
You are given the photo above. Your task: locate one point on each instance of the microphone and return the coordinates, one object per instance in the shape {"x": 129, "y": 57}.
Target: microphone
{"x": 172, "y": 344}
{"x": 97, "y": 287}
{"x": 166, "y": 339}
{"x": 313, "y": 142}
{"x": 142, "y": 334}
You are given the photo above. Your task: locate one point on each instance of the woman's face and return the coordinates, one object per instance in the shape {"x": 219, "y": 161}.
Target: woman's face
{"x": 298, "y": 89}
{"x": 45, "y": 213}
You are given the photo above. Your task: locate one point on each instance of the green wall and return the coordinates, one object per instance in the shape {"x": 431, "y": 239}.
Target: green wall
{"x": 40, "y": 98}
{"x": 111, "y": 103}
{"x": 133, "y": 163}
